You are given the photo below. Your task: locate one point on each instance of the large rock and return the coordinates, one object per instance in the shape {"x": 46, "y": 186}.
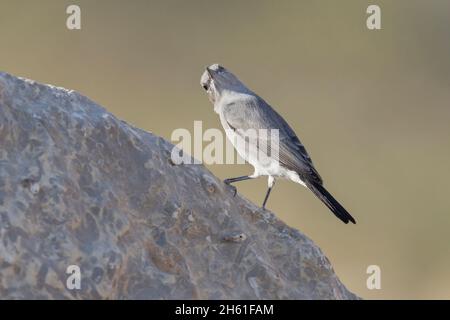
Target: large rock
{"x": 80, "y": 187}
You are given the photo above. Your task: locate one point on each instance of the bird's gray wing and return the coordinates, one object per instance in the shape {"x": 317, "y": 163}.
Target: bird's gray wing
{"x": 255, "y": 113}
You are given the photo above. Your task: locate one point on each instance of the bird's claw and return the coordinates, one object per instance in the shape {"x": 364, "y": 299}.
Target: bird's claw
{"x": 230, "y": 186}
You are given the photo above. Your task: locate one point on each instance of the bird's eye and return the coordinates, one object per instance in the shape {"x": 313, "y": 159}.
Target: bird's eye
{"x": 205, "y": 87}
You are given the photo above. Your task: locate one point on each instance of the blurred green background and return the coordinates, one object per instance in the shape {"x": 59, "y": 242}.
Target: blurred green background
{"x": 372, "y": 107}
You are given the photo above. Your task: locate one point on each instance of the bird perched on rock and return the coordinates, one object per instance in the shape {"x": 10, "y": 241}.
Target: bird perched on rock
{"x": 241, "y": 110}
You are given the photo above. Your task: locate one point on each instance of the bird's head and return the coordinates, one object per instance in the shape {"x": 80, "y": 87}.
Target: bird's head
{"x": 216, "y": 80}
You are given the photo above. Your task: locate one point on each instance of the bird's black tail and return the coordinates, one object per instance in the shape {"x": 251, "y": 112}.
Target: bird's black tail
{"x": 329, "y": 201}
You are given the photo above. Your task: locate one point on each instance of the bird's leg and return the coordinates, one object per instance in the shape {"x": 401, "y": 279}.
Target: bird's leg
{"x": 266, "y": 197}
{"x": 237, "y": 179}
{"x": 271, "y": 184}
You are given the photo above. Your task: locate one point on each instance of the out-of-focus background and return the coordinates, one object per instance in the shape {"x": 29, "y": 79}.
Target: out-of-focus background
{"x": 372, "y": 107}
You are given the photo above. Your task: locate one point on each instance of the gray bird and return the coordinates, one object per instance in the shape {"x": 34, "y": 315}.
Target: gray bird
{"x": 240, "y": 110}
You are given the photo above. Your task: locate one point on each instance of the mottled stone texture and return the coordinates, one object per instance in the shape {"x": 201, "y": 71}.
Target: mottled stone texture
{"x": 80, "y": 187}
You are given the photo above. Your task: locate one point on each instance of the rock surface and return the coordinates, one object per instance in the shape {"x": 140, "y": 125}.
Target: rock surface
{"x": 80, "y": 187}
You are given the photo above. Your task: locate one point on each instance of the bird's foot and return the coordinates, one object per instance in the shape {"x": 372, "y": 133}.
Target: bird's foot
{"x": 232, "y": 188}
